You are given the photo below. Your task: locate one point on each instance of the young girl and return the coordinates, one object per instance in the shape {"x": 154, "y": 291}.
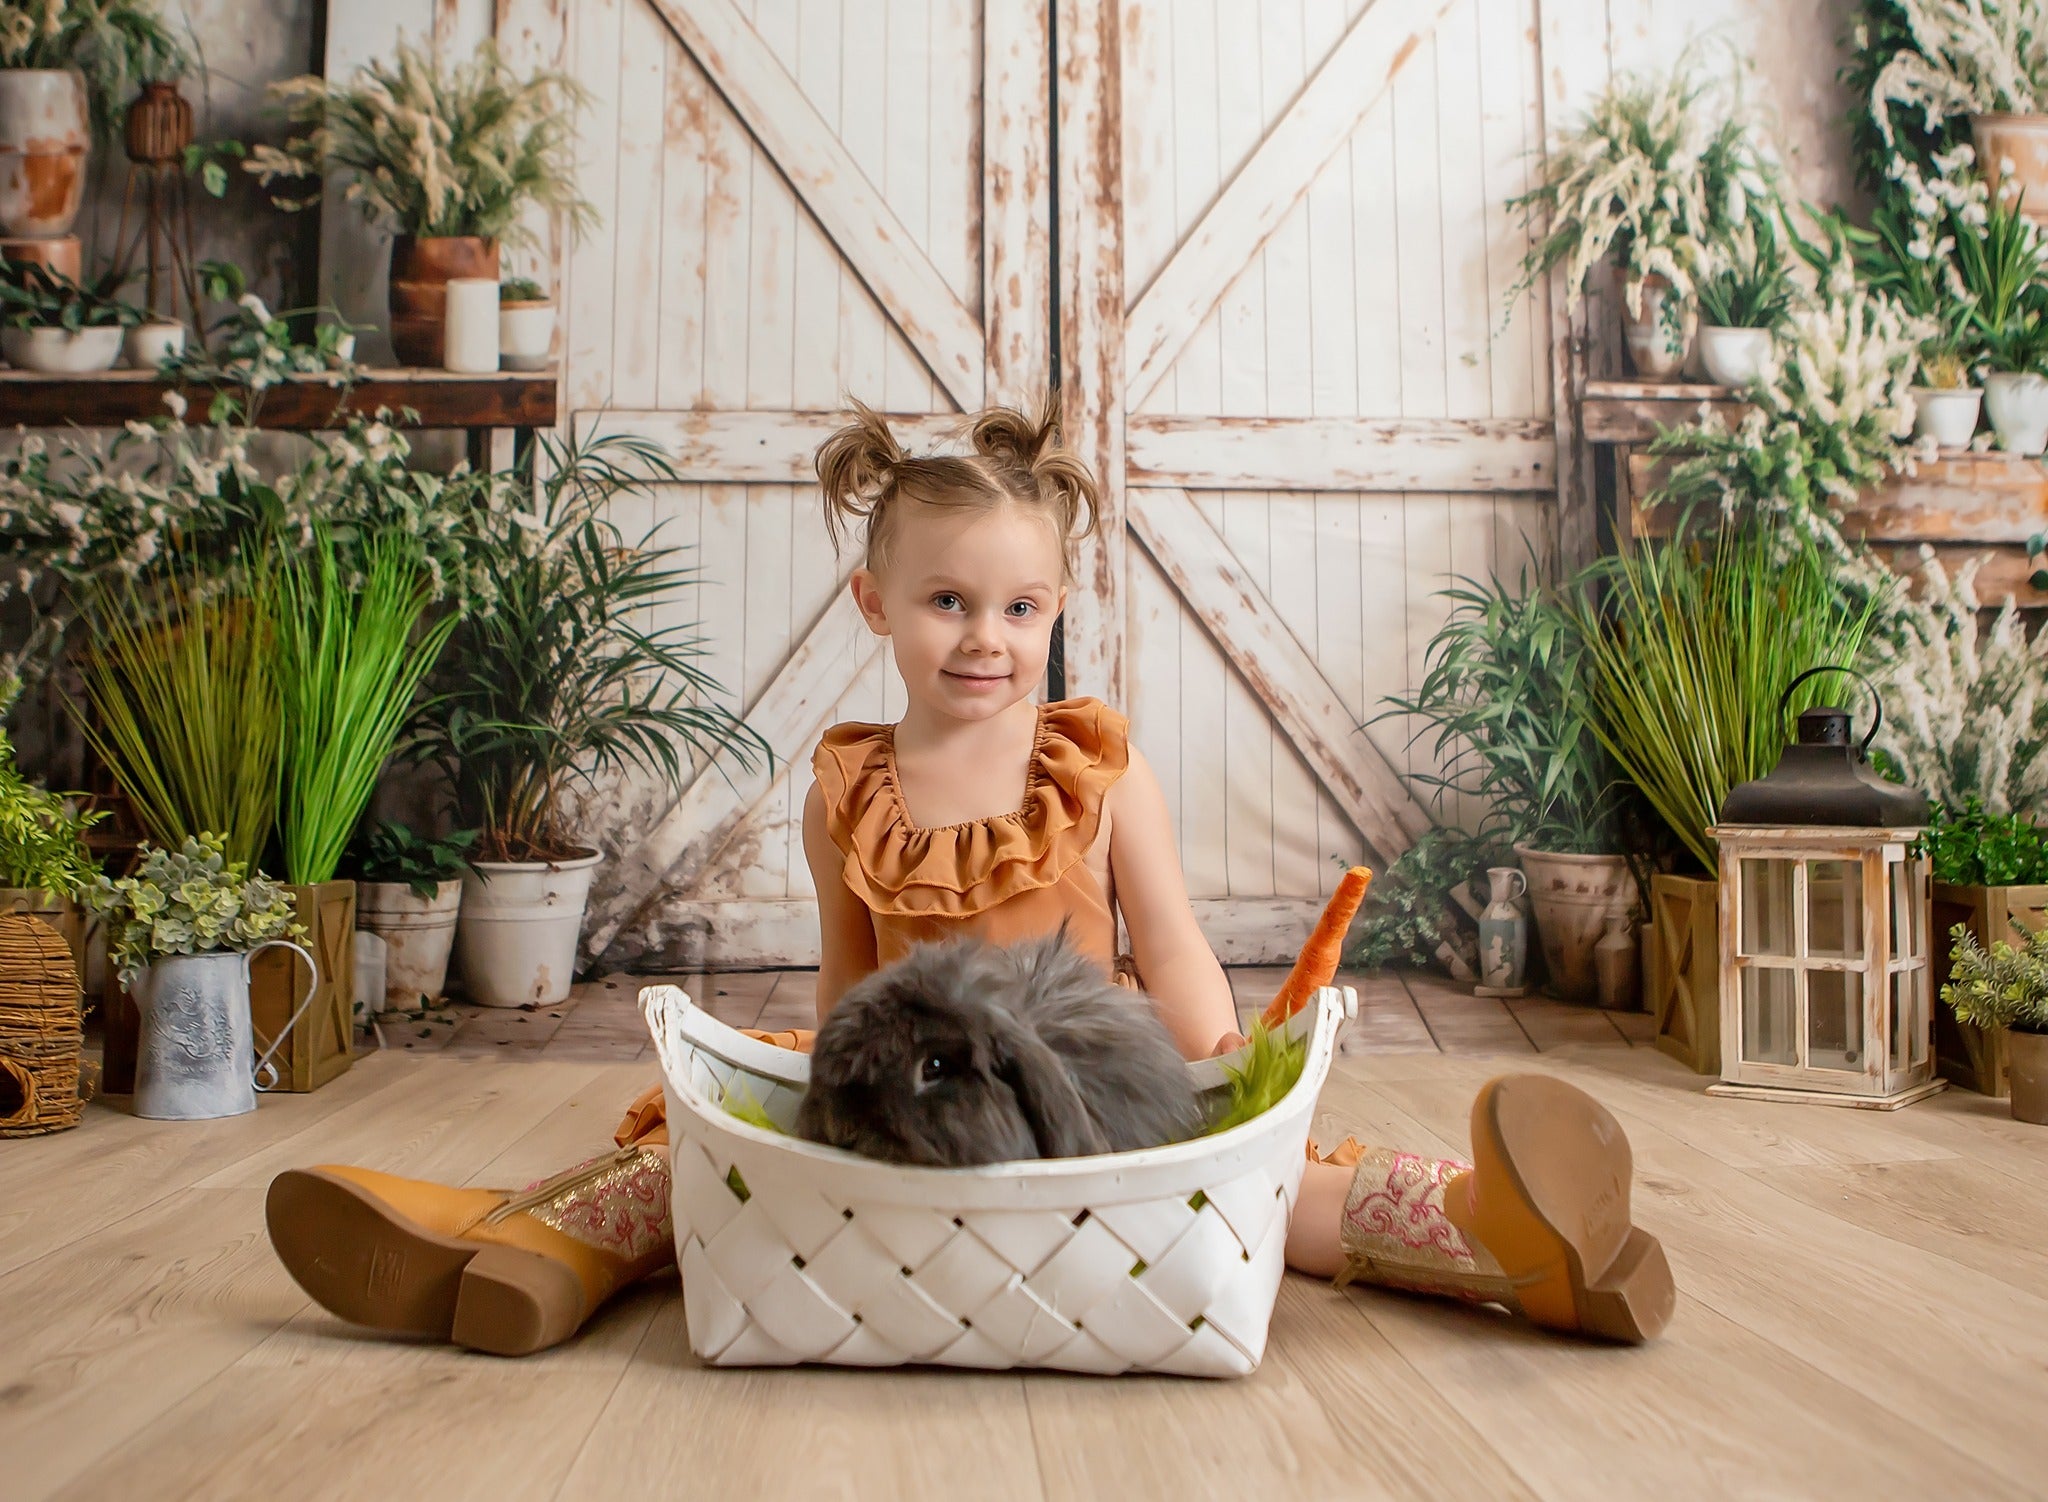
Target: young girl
{"x": 985, "y": 812}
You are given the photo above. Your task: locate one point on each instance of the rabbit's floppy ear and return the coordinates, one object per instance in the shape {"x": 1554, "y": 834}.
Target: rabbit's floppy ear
{"x": 1060, "y": 1121}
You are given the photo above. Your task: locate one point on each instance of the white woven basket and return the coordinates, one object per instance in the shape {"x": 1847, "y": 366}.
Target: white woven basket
{"x": 1166, "y": 1260}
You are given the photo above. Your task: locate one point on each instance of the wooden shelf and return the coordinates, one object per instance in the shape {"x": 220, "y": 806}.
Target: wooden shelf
{"x": 443, "y": 399}
{"x": 1630, "y": 412}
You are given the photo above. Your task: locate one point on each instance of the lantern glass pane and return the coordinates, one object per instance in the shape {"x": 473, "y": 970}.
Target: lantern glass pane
{"x": 1909, "y": 908}
{"x": 1834, "y": 909}
{"x": 1834, "y": 1020}
{"x": 1769, "y": 1017}
{"x": 1766, "y": 907}
{"x": 1899, "y": 1016}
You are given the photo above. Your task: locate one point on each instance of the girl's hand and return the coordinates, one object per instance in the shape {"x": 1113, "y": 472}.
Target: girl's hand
{"x": 1228, "y": 1043}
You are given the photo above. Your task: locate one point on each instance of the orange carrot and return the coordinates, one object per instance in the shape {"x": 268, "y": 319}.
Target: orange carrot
{"x": 1316, "y": 965}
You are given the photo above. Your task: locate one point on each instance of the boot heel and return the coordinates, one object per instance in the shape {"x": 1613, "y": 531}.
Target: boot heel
{"x": 513, "y": 1303}
{"x": 1633, "y": 1299}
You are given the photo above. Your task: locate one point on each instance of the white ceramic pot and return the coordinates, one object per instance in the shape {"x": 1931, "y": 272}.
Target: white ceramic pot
{"x": 45, "y": 136}
{"x": 2017, "y": 404}
{"x": 1575, "y": 898}
{"x": 148, "y": 345}
{"x": 518, "y": 929}
{"x": 1946, "y": 414}
{"x": 1733, "y": 357}
{"x": 1650, "y": 338}
{"x": 526, "y": 335}
{"x": 2018, "y": 142}
{"x": 60, "y": 351}
{"x": 418, "y": 933}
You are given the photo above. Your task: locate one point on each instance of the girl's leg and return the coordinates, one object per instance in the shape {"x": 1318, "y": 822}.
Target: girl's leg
{"x": 1539, "y": 1221}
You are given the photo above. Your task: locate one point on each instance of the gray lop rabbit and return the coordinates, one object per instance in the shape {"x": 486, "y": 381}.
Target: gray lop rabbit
{"x": 965, "y": 1053}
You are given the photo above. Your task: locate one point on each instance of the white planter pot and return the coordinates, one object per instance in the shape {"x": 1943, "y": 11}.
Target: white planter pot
{"x": 60, "y": 351}
{"x": 526, "y": 334}
{"x": 149, "y": 345}
{"x": 1650, "y": 347}
{"x": 418, "y": 934}
{"x": 518, "y": 930}
{"x": 45, "y": 136}
{"x": 2017, "y": 404}
{"x": 1575, "y": 898}
{"x": 1733, "y": 356}
{"x": 1948, "y": 415}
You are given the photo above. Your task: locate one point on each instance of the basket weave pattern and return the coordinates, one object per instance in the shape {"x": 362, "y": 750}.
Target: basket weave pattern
{"x": 1166, "y": 1260}
{"x": 41, "y": 1030}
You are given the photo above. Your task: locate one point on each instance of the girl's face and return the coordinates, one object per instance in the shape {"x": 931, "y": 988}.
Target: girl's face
{"x": 969, "y": 599}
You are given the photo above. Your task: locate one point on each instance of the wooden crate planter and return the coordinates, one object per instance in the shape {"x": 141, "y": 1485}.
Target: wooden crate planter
{"x": 1968, "y": 1056}
{"x": 323, "y": 1044}
{"x": 1683, "y": 984}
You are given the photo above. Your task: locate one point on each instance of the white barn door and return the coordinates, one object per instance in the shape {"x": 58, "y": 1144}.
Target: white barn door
{"x": 803, "y": 200}
{"x": 1284, "y": 262}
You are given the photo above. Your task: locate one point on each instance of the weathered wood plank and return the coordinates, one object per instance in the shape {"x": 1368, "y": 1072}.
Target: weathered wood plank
{"x": 510, "y": 399}
{"x": 1311, "y": 712}
{"x": 753, "y": 448}
{"x": 1340, "y": 453}
{"x": 1094, "y": 400}
{"x": 1016, "y": 248}
{"x": 821, "y": 170}
{"x": 1350, "y": 82}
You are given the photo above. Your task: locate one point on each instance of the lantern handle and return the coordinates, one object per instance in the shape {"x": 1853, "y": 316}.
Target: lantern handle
{"x": 1876, "y": 702}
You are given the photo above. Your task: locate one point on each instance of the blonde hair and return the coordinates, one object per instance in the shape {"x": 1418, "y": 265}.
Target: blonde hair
{"x": 1016, "y": 461}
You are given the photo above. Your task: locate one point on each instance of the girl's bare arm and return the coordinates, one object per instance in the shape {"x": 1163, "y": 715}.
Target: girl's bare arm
{"x": 846, "y": 935}
{"x": 1179, "y": 969}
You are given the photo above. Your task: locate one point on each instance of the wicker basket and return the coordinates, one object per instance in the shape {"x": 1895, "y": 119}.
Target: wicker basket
{"x": 1166, "y": 1260}
{"x": 41, "y": 1030}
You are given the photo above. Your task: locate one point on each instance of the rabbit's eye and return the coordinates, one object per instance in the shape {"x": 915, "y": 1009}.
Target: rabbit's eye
{"x": 936, "y": 1067}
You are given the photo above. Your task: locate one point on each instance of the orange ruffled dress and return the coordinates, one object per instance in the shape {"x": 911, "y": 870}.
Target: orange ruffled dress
{"x": 1010, "y": 877}
{"x": 1006, "y": 878}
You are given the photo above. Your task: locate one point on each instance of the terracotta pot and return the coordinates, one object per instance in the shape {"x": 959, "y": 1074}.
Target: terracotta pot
{"x": 2028, "y": 1070}
{"x": 420, "y": 272}
{"x": 60, "y": 254}
{"x": 2021, "y": 140}
{"x": 45, "y": 135}
{"x": 1574, "y": 898}
{"x": 1649, "y": 341}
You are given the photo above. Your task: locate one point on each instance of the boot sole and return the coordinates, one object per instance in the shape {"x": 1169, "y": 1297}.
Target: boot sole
{"x": 363, "y": 1262}
{"x": 1565, "y": 1236}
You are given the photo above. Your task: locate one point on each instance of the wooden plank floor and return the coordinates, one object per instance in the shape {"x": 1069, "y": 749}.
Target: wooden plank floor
{"x": 1863, "y": 1308}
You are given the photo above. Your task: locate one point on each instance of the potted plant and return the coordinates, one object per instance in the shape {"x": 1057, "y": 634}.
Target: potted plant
{"x": 1690, "y": 647}
{"x": 1945, "y": 404}
{"x": 1743, "y": 302}
{"x": 553, "y": 678}
{"x": 182, "y": 931}
{"x": 2005, "y": 989}
{"x": 1506, "y": 690}
{"x": 1990, "y": 880}
{"x": 1659, "y": 170}
{"x": 44, "y": 862}
{"x": 352, "y": 644}
{"x": 1981, "y": 62}
{"x": 526, "y": 325}
{"x": 448, "y": 159}
{"x": 2000, "y": 270}
{"x": 55, "y": 324}
{"x": 67, "y": 68}
{"x": 409, "y": 890}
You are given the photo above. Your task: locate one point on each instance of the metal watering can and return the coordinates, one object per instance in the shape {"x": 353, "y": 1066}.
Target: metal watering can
{"x": 192, "y": 1059}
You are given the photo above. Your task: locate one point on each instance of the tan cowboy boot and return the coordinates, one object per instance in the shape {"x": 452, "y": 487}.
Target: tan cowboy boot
{"x": 1539, "y": 1222}
{"x": 497, "y": 1271}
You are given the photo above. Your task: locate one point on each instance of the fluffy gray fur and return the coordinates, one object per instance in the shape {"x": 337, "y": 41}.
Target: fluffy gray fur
{"x": 964, "y": 1053}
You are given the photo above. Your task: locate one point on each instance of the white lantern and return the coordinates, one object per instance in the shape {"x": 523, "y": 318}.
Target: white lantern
{"x": 1826, "y": 989}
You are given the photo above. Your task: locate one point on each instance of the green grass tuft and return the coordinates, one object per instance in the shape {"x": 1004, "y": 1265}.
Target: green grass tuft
{"x": 1273, "y": 1062}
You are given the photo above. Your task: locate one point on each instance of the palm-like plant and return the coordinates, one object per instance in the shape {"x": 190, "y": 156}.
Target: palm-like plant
{"x": 553, "y": 677}
{"x": 1508, "y": 692}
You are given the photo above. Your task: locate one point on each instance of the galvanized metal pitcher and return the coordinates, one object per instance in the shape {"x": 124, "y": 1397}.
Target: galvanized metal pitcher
{"x": 192, "y": 1061}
